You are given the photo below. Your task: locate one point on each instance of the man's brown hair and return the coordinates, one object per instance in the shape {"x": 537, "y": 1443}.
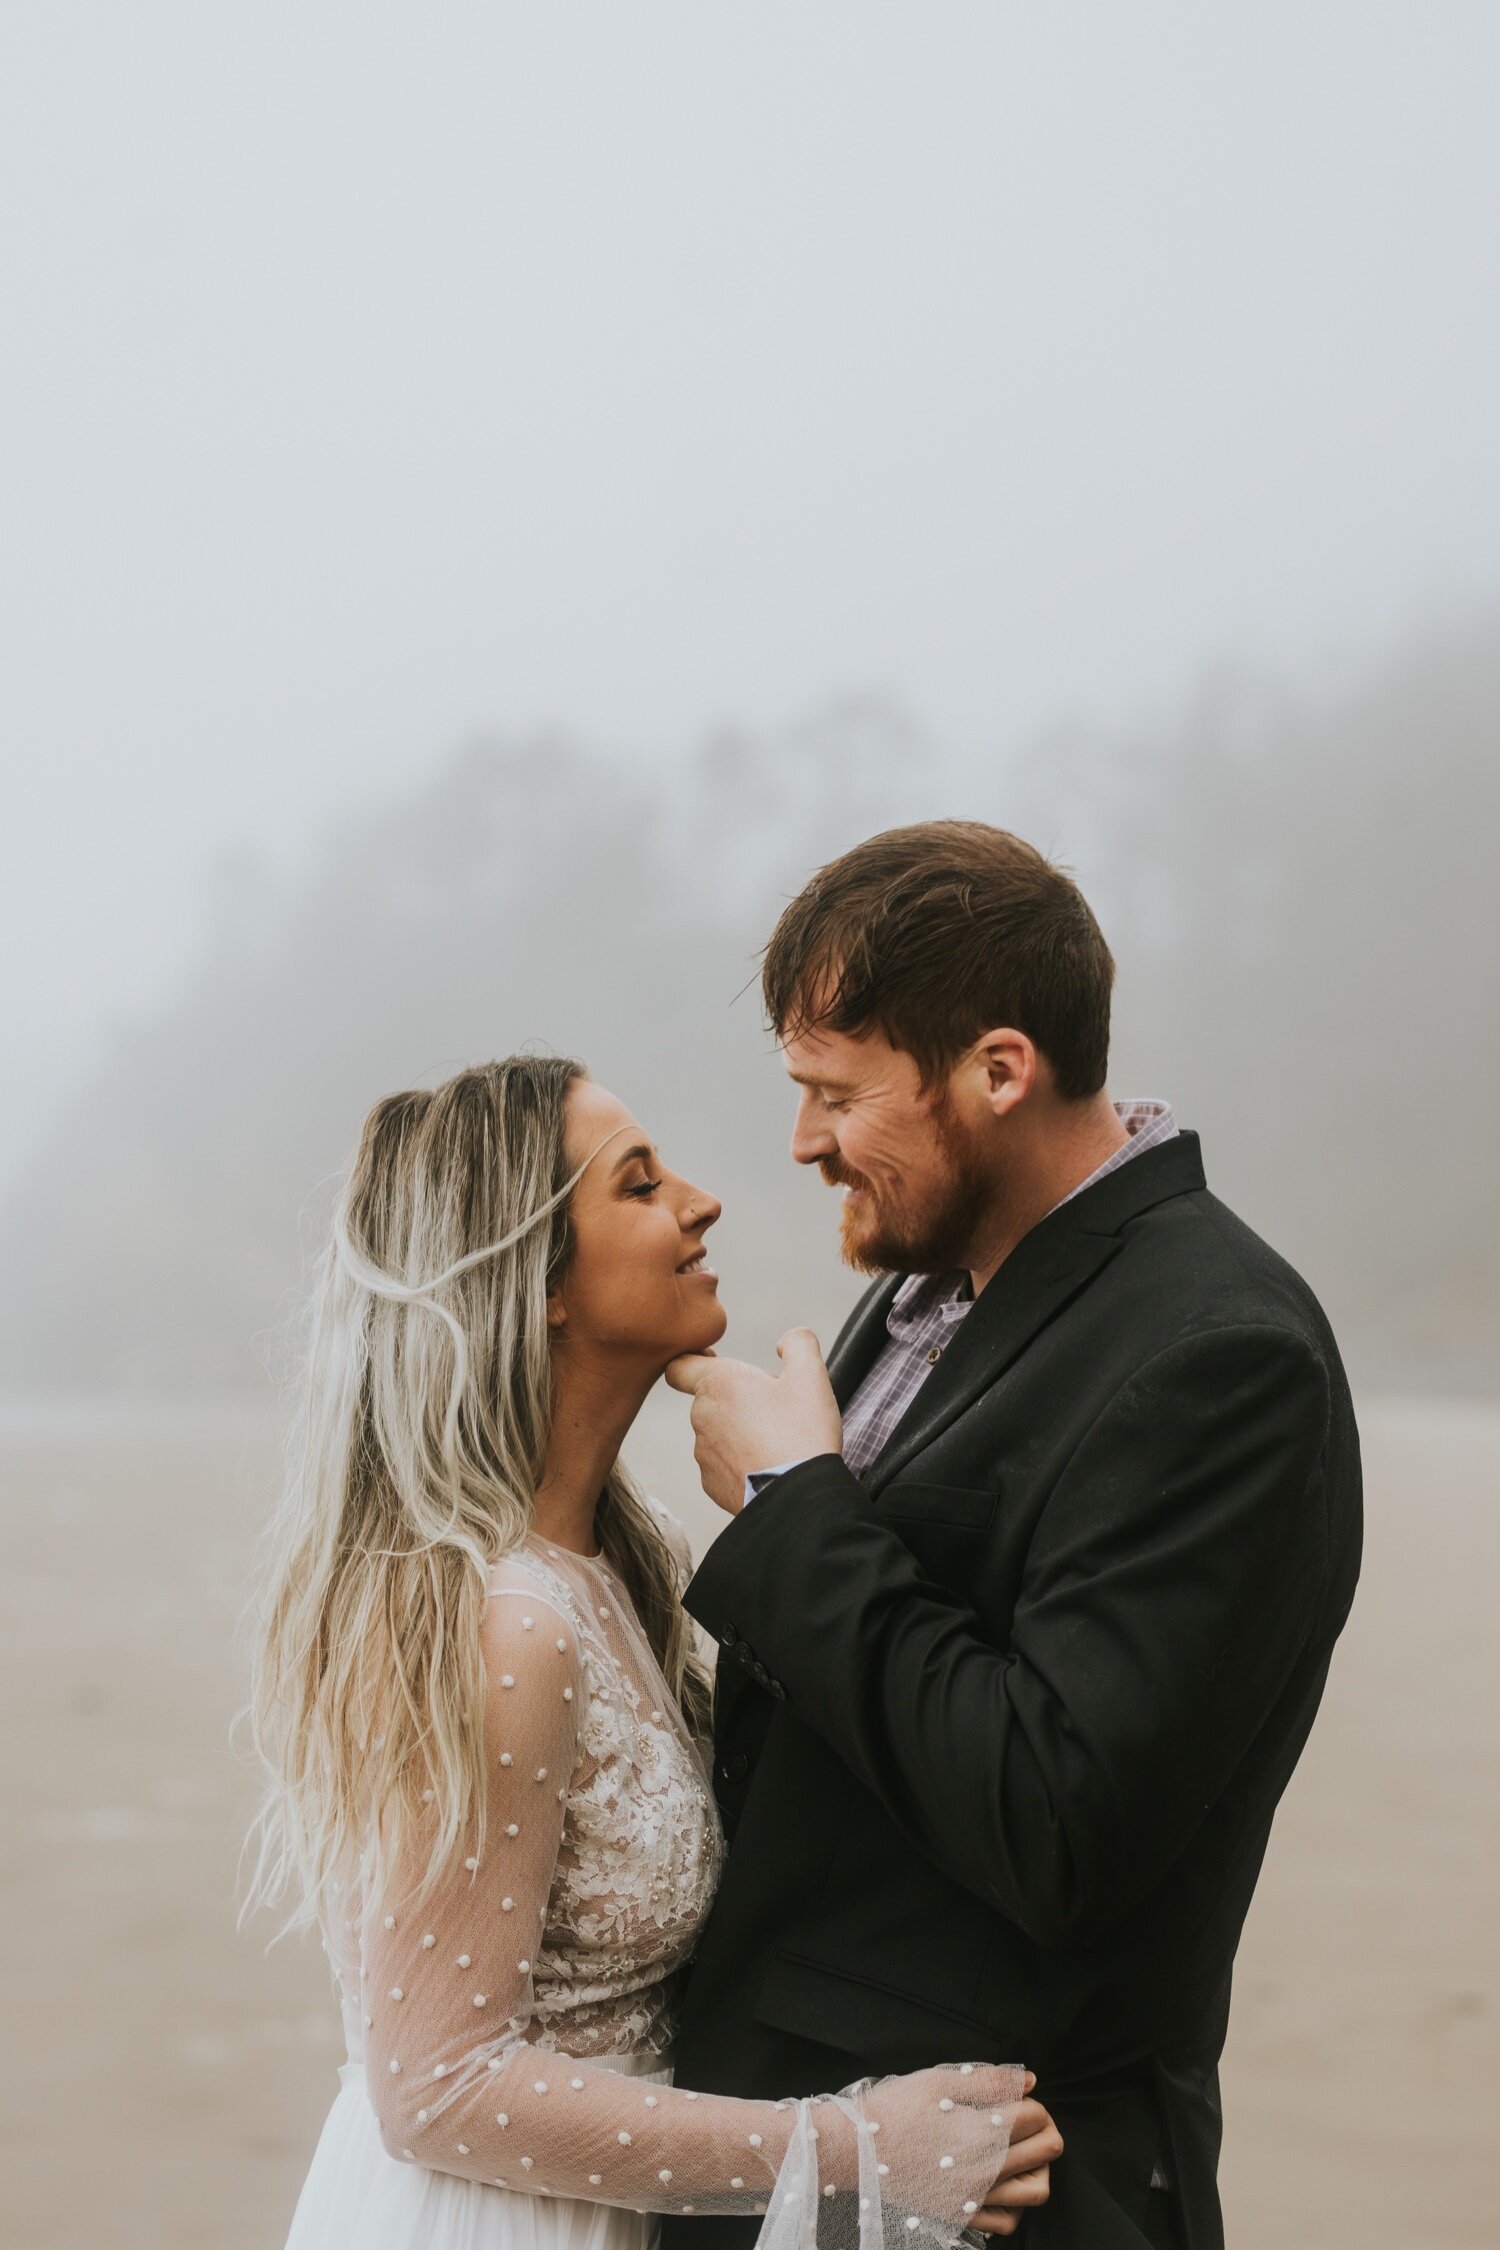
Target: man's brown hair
{"x": 936, "y": 933}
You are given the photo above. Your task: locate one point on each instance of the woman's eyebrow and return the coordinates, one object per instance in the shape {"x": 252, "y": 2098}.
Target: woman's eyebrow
{"x": 642, "y": 1152}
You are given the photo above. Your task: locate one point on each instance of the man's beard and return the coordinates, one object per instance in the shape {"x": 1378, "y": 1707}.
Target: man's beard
{"x": 934, "y": 1238}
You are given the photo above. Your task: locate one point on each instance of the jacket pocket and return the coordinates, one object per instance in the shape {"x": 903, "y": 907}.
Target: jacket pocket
{"x": 960, "y": 1506}
{"x": 886, "y": 2028}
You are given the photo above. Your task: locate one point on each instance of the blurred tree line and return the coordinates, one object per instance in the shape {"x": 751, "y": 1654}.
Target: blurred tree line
{"x": 1298, "y": 893}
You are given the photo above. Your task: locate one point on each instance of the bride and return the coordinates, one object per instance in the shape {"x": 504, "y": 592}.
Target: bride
{"x": 486, "y": 1727}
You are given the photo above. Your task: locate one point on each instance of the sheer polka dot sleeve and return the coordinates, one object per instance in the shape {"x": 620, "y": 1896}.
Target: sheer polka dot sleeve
{"x": 676, "y": 1538}
{"x": 461, "y": 2083}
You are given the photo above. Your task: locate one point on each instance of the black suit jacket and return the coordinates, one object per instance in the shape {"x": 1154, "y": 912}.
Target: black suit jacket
{"x": 1003, "y": 1723}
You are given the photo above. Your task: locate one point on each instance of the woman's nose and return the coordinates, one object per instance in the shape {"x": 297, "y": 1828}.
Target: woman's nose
{"x": 704, "y": 1210}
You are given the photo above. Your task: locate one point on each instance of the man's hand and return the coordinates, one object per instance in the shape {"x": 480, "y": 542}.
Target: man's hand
{"x": 1025, "y": 2179}
{"x": 744, "y": 1420}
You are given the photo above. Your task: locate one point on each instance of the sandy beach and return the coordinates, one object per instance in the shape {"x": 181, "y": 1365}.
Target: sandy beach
{"x": 164, "y": 2077}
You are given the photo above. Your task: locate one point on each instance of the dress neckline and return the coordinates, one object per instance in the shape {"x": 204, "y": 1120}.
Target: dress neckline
{"x": 556, "y": 1553}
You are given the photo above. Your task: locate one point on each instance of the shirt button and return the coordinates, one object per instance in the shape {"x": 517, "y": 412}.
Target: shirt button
{"x": 934, "y": 1355}
{"x": 728, "y": 1635}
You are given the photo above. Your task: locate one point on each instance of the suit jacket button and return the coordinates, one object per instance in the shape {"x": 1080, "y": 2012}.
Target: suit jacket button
{"x": 728, "y": 1635}
{"x": 760, "y": 1672}
{"x": 777, "y": 1690}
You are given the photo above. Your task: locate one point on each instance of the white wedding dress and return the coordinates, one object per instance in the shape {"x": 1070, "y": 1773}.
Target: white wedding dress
{"x": 508, "y": 2085}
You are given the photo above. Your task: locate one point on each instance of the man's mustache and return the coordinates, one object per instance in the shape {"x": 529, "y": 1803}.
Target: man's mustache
{"x": 836, "y": 1173}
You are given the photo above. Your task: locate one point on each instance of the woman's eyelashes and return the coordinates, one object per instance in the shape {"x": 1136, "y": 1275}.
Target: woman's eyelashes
{"x": 648, "y": 1188}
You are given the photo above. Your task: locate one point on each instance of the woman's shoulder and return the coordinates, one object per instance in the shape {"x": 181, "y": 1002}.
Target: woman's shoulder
{"x": 526, "y": 1577}
{"x": 672, "y": 1531}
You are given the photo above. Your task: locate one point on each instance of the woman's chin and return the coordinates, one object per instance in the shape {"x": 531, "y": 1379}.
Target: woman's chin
{"x": 707, "y": 1330}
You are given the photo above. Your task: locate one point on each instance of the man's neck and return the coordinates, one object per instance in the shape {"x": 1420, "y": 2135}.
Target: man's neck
{"x": 1072, "y": 1141}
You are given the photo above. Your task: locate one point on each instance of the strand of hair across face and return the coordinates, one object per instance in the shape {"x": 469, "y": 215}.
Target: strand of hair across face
{"x": 379, "y": 1283}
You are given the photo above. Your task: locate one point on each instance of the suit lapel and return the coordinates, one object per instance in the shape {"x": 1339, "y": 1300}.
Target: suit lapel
{"x": 1048, "y": 1268}
{"x": 1016, "y": 1305}
{"x": 860, "y": 1338}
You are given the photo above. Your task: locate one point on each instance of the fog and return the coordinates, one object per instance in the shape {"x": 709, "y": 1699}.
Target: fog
{"x": 375, "y": 378}
{"x": 1298, "y": 891}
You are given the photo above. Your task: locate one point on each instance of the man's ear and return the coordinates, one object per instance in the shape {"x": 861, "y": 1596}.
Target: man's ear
{"x": 1008, "y": 1060}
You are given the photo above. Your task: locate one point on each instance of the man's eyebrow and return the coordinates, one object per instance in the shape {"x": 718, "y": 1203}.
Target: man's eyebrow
{"x": 642, "y": 1151}
{"x": 824, "y": 1085}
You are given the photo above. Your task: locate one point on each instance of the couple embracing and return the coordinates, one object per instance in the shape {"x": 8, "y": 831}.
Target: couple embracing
{"x": 918, "y": 1919}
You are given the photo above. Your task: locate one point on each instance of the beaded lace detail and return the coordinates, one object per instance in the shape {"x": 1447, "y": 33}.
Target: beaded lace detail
{"x": 488, "y": 2013}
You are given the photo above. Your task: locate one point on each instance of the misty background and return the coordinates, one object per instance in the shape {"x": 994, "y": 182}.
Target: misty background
{"x": 1299, "y": 891}
{"x": 491, "y": 496}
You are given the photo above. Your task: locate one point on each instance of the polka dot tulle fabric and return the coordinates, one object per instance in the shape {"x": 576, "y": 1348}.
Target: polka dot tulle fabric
{"x": 491, "y": 2016}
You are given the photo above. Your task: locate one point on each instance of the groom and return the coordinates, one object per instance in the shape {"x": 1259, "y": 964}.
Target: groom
{"x": 1027, "y": 1602}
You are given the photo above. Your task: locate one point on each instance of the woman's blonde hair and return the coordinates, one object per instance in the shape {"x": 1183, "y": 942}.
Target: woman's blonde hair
{"x": 421, "y": 1432}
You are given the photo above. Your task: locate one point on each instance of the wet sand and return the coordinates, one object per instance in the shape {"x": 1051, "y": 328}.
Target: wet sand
{"x": 162, "y": 2078}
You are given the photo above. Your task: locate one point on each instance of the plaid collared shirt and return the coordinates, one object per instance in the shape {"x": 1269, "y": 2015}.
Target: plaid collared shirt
{"x": 926, "y": 1310}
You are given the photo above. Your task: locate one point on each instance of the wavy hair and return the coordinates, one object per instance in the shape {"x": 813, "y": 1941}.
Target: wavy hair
{"x": 421, "y": 1432}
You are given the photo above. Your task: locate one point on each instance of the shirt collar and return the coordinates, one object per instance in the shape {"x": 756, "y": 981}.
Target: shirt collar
{"x": 1148, "y": 1123}
{"x": 920, "y": 1294}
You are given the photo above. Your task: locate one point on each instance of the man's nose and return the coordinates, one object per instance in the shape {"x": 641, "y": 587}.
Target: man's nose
{"x": 812, "y": 1135}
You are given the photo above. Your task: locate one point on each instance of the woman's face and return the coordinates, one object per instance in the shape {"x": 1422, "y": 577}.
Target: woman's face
{"x": 639, "y": 1283}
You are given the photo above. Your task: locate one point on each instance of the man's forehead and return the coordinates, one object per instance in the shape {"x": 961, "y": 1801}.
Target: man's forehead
{"x": 819, "y": 1057}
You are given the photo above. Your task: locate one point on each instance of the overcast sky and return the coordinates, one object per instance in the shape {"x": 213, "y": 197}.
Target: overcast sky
{"x": 372, "y": 374}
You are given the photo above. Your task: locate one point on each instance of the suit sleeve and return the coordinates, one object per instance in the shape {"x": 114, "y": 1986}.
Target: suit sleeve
{"x": 1169, "y": 1588}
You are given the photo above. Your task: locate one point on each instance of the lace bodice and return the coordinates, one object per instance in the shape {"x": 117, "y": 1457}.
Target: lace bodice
{"x": 487, "y": 2012}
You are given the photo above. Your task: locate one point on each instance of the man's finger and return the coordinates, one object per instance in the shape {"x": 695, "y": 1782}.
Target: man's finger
{"x": 1023, "y": 2193}
{"x": 1030, "y": 2117}
{"x": 1034, "y": 2140}
{"x": 686, "y": 1373}
{"x": 799, "y": 1352}
{"x": 1028, "y": 2156}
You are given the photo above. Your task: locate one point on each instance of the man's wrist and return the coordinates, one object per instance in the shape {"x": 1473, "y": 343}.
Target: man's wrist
{"x": 758, "y": 1479}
